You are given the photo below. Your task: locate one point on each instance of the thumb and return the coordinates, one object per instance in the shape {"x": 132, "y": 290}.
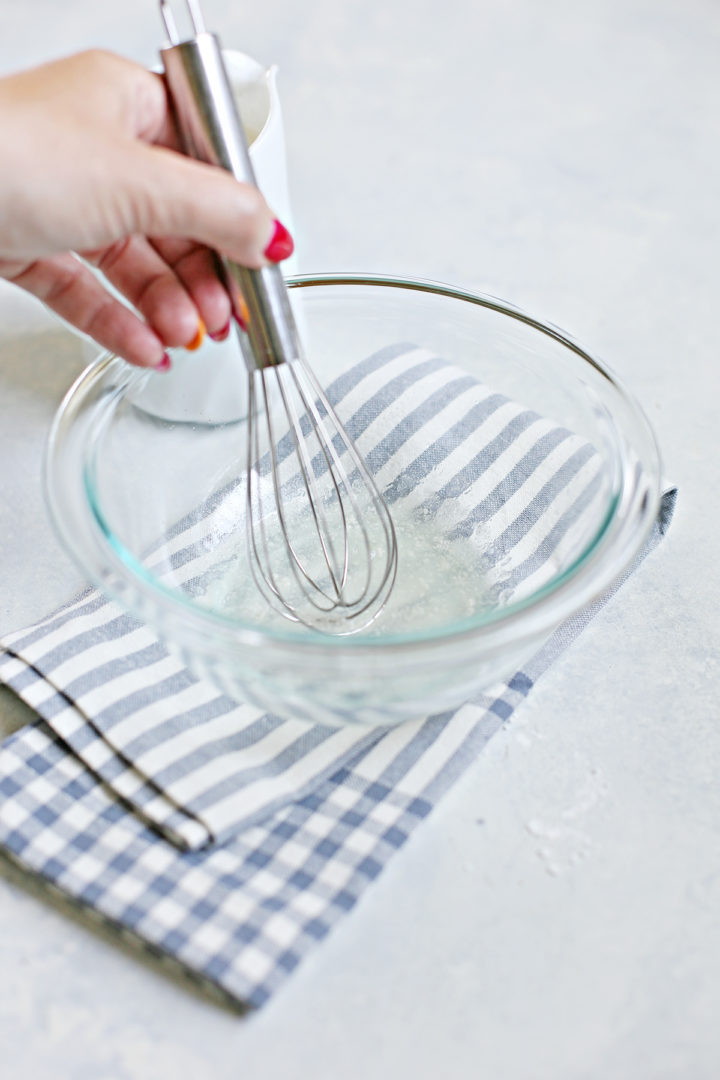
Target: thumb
{"x": 170, "y": 195}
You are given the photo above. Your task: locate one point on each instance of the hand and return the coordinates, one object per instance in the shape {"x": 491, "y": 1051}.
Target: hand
{"x": 91, "y": 165}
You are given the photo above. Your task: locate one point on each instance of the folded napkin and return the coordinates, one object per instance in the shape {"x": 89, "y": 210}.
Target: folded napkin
{"x": 223, "y": 836}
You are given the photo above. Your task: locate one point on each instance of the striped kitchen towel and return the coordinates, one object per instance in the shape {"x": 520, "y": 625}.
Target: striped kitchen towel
{"x": 231, "y": 839}
{"x": 513, "y": 490}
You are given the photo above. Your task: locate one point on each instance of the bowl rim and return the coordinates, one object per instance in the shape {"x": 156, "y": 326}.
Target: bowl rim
{"x": 578, "y": 585}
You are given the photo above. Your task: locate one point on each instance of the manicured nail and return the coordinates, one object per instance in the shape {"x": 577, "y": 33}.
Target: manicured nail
{"x": 240, "y": 311}
{"x": 198, "y": 339}
{"x": 220, "y": 335}
{"x": 164, "y": 365}
{"x": 281, "y": 244}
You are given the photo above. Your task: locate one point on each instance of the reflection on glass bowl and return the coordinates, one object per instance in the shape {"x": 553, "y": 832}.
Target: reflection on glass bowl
{"x": 521, "y": 477}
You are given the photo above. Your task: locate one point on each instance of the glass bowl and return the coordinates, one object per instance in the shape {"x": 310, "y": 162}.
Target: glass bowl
{"x": 522, "y": 480}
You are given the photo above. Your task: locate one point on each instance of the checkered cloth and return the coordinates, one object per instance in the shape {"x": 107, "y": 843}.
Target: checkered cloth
{"x": 228, "y": 839}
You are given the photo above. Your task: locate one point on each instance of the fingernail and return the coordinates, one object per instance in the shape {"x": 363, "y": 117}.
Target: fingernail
{"x": 163, "y": 365}
{"x": 240, "y": 311}
{"x": 198, "y": 339}
{"x": 220, "y": 335}
{"x": 281, "y": 244}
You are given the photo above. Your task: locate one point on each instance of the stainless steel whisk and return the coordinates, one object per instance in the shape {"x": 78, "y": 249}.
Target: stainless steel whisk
{"x": 320, "y": 539}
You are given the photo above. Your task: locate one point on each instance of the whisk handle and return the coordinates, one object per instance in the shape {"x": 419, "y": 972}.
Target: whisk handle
{"x": 211, "y": 130}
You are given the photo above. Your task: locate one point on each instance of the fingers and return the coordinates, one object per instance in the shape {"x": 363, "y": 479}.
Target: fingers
{"x": 173, "y": 283}
{"x": 170, "y": 195}
{"x": 197, "y": 269}
{"x": 71, "y": 290}
{"x": 174, "y": 286}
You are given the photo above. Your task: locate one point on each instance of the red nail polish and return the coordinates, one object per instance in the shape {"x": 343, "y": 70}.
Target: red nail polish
{"x": 220, "y": 335}
{"x": 164, "y": 365}
{"x": 281, "y": 244}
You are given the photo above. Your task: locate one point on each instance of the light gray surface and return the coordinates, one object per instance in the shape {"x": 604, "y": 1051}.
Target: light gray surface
{"x": 556, "y": 918}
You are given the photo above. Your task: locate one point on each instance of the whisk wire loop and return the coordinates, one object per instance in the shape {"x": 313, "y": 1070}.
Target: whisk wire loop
{"x": 324, "y": 533}
{"x": 312, "y": 485}
{"x": 340, "y": 478}
{"x": 387, "y": 550}
{"x": 262, "y": 558}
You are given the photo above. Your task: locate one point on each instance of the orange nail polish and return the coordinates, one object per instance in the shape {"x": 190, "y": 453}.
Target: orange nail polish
{"x": 242, "y": 315}
{"x": 198, "y": 339}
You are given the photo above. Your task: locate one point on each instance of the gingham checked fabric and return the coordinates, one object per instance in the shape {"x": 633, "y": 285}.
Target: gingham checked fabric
{"x": 220, "y": 836}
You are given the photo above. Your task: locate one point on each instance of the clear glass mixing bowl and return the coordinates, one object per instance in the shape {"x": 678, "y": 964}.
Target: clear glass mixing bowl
{"x": 151, "y": 505}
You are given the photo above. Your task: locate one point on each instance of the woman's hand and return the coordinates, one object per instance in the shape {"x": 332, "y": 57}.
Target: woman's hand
{"x": 90, "y": 164}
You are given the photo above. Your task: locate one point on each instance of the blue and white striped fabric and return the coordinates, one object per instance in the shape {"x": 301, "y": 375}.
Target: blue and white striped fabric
{"x": 515, "y": 487}
{"x": 229, "y": 839}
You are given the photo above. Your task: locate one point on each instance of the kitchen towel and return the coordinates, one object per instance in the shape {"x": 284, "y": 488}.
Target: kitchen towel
{"x": 230, "y": 839}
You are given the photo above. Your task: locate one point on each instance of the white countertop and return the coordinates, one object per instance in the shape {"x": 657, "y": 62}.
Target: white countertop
{"x": 556, "y": 918}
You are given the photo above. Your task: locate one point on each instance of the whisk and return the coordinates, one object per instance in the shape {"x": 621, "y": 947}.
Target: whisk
{"x": 320, "y": 539}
